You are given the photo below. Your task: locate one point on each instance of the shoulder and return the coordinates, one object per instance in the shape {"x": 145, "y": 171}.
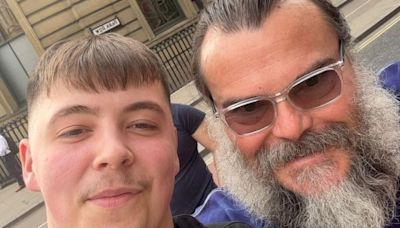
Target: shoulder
{"x": 187, "y": 116}
{"x": 183, "y": 108}
{"x": 229, "y": 225}
{"x": 187, "y": 221}
{"x": 220, "y": 206}
{"x": 218, "y": 200}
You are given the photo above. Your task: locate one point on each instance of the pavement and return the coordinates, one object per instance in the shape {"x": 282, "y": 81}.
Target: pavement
{"x": 380, "y": 52}
{"x": 17, "y": 205}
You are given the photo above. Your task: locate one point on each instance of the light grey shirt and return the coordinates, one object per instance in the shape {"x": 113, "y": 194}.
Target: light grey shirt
{"x": 3, "y": 146}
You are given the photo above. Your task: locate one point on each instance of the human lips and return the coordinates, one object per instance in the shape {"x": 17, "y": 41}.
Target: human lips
{"x": 308, "y": 160}
{"x": 112, "y": 198}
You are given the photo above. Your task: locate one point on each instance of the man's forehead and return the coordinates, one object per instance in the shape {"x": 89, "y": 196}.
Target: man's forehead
{"x": 299, "y": 12}
{"x": 287, "y": 22}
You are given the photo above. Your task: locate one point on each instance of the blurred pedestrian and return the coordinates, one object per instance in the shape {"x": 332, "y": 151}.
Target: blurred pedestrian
{"x": 8, "y": 150}
{"x": 194, "y": 181}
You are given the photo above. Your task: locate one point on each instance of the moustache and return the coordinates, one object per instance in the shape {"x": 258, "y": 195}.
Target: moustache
{"x": 336, "y": 135}
{"x": 112, "y": 179}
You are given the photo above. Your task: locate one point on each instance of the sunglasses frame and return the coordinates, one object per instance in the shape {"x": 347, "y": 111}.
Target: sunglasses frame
{"x": 283, "y": 95}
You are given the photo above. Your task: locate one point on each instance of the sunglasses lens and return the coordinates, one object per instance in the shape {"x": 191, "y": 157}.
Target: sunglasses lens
{"x": 317, "y": 90}
{"x": 251, "y": 117}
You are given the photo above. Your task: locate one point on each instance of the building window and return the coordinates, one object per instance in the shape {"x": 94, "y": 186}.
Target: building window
{"x": 161, "y": 14}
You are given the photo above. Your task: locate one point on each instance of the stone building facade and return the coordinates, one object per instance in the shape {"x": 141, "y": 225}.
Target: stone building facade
{"x": 34, "y": 25}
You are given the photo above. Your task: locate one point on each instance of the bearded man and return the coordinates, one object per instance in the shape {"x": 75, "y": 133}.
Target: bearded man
{"x": 306, "y": 136}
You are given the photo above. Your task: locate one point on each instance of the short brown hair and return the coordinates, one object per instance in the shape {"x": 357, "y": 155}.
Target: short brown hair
{"x": 105, "y": 62}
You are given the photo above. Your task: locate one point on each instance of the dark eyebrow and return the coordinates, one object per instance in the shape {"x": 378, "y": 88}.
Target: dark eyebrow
{"x": 316, "y": 65}
{"x": 149, "y": 105}
{"x": 74, "y": 109}
{"x": 81, "y": 109}
{"x": 233, "y": 101}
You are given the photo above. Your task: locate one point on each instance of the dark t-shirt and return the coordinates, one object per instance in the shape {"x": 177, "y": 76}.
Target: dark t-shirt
{"x": 187, "y": 221}
{"x": 395, "y": 223}
{"x": 194, "y": 181}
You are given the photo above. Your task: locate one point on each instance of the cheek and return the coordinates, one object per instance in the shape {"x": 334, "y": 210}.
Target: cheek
{"x": 61, "y": 170}
{"x": 249, "y": 146}
{"x": 157, "y": 156}
{"x": 340, "y": 111}
{"x": 158, "y": 160}
{"x": 63, "y": 179}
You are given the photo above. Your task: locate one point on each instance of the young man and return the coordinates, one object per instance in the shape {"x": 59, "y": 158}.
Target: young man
{"x": 306, "y": 137}
{"x": 102, "y": 145}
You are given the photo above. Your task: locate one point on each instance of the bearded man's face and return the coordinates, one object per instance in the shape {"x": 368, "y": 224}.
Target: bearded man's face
{"x": 333, "y": 166}
{"x": 366, "y": 195}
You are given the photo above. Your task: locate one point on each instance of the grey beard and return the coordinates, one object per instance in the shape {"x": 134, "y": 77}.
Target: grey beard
{"x": 365, "y": 199}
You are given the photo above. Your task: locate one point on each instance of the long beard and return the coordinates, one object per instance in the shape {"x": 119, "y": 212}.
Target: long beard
{"x": 366, "y": 198}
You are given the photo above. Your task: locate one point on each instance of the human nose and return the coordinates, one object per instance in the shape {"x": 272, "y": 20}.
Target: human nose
{"x": 113, "y": 152}
{"x": 290, "y": 123}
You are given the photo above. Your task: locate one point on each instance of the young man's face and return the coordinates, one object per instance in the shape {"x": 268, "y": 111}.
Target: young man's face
{"x": 293, "y": 41}
{"x": 104, "y": 159}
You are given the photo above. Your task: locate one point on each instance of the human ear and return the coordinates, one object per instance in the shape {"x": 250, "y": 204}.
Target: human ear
{"x": 25, "y": 157}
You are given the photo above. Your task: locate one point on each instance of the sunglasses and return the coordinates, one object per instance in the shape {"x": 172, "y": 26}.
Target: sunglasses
{"x": 311, "y": 91}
